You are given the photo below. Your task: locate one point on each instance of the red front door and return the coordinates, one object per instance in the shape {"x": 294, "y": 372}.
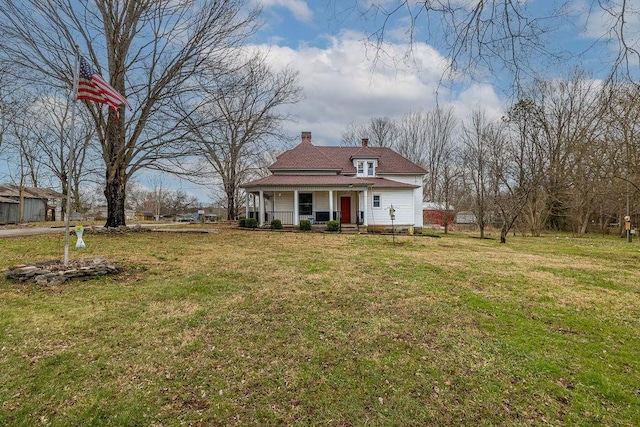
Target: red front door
{"x": 345, "y": 210}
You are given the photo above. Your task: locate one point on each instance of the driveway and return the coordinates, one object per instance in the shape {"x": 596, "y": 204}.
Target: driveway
{"x": 33, "y": 231}
{"x": 29, "y": 231}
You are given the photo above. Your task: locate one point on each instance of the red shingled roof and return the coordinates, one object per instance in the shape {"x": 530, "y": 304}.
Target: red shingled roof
{"x": 388, "y": 160}
{"x": 307, "y": 156}
{"x": 310, "y": 165}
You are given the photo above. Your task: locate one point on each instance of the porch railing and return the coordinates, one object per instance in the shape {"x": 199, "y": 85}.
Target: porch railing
{"x": 286, "y": 217}
{"x": 316, "y": 217}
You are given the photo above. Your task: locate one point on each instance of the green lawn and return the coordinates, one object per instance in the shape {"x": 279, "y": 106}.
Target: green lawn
{"x": 275, "y": 328}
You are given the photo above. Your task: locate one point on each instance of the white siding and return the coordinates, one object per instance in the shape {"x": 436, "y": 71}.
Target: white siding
{"x": 402, "y": 201}
{"x": 417, "y": 220}
{"x": 321, "y": 201}
{"x": 283, "y": 201}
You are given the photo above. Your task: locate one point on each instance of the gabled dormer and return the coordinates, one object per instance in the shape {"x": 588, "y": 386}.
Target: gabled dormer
{"x": 365, "y": 161}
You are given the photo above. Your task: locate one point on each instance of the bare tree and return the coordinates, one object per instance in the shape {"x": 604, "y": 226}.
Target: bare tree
{"x": 441, "y": 127}
{"x": 353, "y": 133}
{"x": 622, "y": 136}
{"x": 383, "y": 132}
{"x": 621, "y": 29}
{"x": 161, "y": 201}
{"x": 412, "y": 137}
{"x": 7, "y": 103}
{"x": 426, "y": 138}
{"x": 478, "y": 138}
{"x": 510, "y": 186}
{"x": 525, "y": 133}
{"x": 22, "y": 156}
{"x": 450, "y": 180}
{"x": 380, "y": 131}
{"x": 51, "y": 135}
{"x": 157, "y": 195}
{"x": 239, "y": 120}
{"x": 176, "y": 202}
{"x": 493, "y": 37}
{"x": 153, "y": 51}
{"x": 569, "y": 121}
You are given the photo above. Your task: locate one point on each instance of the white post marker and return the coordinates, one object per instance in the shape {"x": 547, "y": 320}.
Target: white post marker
{"x": 392, "y": 214}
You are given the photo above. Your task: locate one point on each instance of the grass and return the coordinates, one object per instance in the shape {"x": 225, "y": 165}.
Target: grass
{"x": 263, "y": 328}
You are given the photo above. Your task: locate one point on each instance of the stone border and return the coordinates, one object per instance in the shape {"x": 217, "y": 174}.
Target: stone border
{"x": 113, "y": 230}
{"x": 55, "y": 272}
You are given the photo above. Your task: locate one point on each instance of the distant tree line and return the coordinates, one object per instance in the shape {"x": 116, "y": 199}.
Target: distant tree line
{"x": 203, "y": 103}
{"x": 564, "y": 157}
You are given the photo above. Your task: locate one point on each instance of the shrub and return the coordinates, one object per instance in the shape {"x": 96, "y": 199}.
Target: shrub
{"x": 276, "y": 224}
{"x": 305, "y": 225}
{"x": 333, "y": 225}
{"x": 242, "y": 222}
{"x": 251, "y": 223}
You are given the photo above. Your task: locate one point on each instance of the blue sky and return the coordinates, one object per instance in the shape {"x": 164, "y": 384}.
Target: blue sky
{"x": 342, "y": 84}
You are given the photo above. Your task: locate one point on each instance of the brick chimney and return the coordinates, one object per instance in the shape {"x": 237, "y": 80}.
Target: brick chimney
{"x": 306, "y": 137}
{"x": 365, "y": 142}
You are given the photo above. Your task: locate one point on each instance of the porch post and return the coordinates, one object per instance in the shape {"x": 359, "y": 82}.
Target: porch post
{"x": 246, "y": 208}
{"x": 330, "y": 205}
{"x": 296, "y": 215}
{"x": 261, "y": 215}
{"x": 253, "y": 204}
{"x": 365, "y": 221}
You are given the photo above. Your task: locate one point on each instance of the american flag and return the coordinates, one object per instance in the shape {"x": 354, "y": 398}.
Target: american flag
{"x": 91, "y": 86}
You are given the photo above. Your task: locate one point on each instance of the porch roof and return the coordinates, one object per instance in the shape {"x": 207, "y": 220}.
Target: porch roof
{"x": 29, "y": 192}
{"x": 6, "y": 200}
{"x": 325, "y": 180}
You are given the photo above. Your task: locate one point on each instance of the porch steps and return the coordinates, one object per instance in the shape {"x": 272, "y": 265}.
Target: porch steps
{"x": 345, "y": 229}
{"x": 352, "y": 229}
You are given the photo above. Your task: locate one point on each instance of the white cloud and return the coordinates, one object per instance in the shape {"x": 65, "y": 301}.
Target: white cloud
{"x": 478, "y": 97}
{"x": 599, "y": 21}
{"x": 298, "y": 8}
{"x": 344, "y": 83}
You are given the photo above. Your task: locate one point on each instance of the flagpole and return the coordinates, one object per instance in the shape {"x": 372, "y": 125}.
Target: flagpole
{"x": 72, "y": 143}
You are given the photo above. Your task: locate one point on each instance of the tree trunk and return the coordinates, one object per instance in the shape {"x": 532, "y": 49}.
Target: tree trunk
{"x": 114, "y": 154}
{"x": 584, "y": 224}
{"x": 446, "y": 222}
{"x": 231, "y": 208}
{"x": 503, "y": 232}
{"x": 231, "y": 204}
{"x": 115, "y": 192}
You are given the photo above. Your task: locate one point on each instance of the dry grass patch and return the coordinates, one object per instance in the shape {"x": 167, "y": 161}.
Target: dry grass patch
{"x": 261, "y": 328}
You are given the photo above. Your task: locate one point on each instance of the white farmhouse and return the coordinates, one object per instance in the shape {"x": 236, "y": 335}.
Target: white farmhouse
{"x": 355, "y": 185}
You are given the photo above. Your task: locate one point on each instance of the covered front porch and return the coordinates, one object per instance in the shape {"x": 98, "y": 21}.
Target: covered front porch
{"x": 290, "y": 206}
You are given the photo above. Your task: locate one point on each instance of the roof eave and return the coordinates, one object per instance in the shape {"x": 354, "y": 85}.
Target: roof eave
{"x": 302, "y": 170}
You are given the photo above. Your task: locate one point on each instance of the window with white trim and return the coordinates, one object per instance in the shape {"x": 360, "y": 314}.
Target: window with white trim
{"x": 365, "y": 168}
{"x": 370, "y": 169}
{"x": 305, "y": 204}
{"x": 376, "y": 201}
